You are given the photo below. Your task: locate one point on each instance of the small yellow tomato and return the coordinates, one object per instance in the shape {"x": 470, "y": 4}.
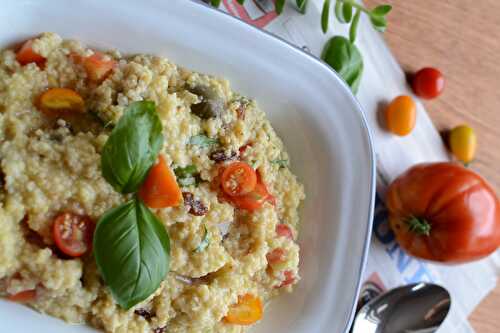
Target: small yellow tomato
{"x": 463, "y": 143}
{"x": 401, "y": 115}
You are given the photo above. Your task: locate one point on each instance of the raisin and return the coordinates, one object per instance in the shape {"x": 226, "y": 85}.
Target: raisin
{"x": 160, "y": 329}
{"x": 195, "y": 207}
{"x": 220, "y": 156}
{"x": 143, "y": 313}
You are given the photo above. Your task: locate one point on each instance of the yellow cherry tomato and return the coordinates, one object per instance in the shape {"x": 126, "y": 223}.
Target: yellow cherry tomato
{"x": 463, "y": 143}
{"x": 401, "y": 115}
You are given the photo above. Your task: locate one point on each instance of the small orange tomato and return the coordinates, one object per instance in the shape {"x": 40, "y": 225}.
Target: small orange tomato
{"x": 23, "y": 296}
{"x": 463, "y": 143}
{"x": 247, "y": 311}
{"x": 26, "y": 55}
{"x": 401, "y": 115}
{"x": 97, "y": 67}
{"x": 58, "y": 101}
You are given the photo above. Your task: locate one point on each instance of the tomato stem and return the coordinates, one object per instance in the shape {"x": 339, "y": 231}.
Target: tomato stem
{"x": 419, "y": 226}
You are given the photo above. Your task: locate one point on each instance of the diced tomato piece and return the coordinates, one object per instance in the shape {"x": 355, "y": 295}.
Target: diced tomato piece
{"x": 276, "y": 256}
{"x": 23, "y": 296}
{"x": 97, "y": 67}
{"x": 26, "y": 55}
{"x": 289, "y": 279}
{"x": 73, "y": 233}
{"x": 283, "y": 230}
{"x": 244, "y": 148}
{"x": 160, "y": 189}
{"x": 247, "y": 311}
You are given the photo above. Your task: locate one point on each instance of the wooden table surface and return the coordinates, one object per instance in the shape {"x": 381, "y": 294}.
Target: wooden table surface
{"x": 462, "y": 39}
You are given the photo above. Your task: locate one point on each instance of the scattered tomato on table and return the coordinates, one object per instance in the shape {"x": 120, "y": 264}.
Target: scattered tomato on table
{"x": 462, "y": 141}
{"x": 428, "y": 83}
{"x": 444, "y": 212}
{"x": 401, "y": 115}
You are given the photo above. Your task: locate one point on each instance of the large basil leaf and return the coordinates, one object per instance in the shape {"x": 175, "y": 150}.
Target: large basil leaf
{"x": 132, "y": 251}
{"x": 132, "y": 147}
{"x": 345, "y": 58}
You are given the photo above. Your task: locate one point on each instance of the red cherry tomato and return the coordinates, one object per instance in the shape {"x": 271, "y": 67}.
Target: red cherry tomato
{"x": 23, "y": 296}
{"x": 238, "y": 179}
{"x": 428, "y": 83}
{"x": 253, "y": 200}
{"x": 283, "y": 230}
{"x": 73, "y": 233}
{"x": 26, "y": 55}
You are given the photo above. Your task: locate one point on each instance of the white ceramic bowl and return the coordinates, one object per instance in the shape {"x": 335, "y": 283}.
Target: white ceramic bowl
{"x": 312, "y": 110}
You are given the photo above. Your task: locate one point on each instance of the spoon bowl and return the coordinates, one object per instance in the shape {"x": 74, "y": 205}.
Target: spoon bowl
{"x": 415, "y": 308}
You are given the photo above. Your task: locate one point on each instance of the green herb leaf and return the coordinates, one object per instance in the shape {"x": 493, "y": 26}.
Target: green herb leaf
{"x": 381, "y": 10}
{"x": 279, "y": 5}
{"x": 187, "y": 171}
{"x": 302, "y": 5}
{"x": 241, "y": 1}
{"x": 343, "y": 12}
{"x": 379, "y": 23}
{"x": 204, "y": 243}
{"x": 202, "y": 141}
{"x": 132, "y": 147}
{"x": 354, "y": 26}
{"x": 325, "y": 15}
{"x": 281, "y": 163}
{"x": 345, "y": 58}
{"x": 132, "y": 252}
{"x": 215, "y": 3}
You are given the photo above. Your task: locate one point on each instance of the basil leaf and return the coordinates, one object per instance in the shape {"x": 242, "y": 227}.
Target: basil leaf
{"x": 302, "y": 6}
{"x": 343, "y": 12}
{"x": 354, "y": 26}
{"x": 381, "y": 10}
{"x": 279, "y": 5}
{"x": 281, "y": 163}
{"x": 325, "y": 16}
{"x": 345, "y": 58}
{"x": 132, "y": 147}
{"x": 132, "y": 252}
{"x": 204, "y": 243}
{"x": 202, "y": 141}
{"x": 185, "y": 172}
{"x": 379, "y": 23}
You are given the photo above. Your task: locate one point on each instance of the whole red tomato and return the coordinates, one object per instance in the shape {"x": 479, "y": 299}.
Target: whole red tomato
{"x": 444, "y": 212}
{"x": 428, "y": 83}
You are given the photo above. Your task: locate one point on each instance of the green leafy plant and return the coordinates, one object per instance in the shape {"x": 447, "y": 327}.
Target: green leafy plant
{"x": 339, "y": 52}
{"x": 132, "y": 147}
{"x": 131, "y": 245}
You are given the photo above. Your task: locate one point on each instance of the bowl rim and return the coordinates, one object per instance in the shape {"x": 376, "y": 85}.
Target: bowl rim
{"x": 364, "y": 125}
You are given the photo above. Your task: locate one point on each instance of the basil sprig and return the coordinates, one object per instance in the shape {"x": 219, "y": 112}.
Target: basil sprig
{"x": 132, "y": 147}
{"x": 132, "y": 251}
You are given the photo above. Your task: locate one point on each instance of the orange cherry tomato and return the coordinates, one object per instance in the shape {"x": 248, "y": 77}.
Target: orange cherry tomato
{"x": 238, "y": 179}
{"x": 463, "y": 143}
{"x": 23, "y": 296}
{"x": 247, "y": 311}
{"x": 444, "y": 212}
{"x": 59, "y": 101}
{"x": 401, "y": 115}
{"x": 160, "y": 189}
{"x": 73, "y": 233}
{"x": 97, "y": 67}
{"x": 428, "y": 83}
{"x": 26, "y": 55}
{"x": 283, "y": 230}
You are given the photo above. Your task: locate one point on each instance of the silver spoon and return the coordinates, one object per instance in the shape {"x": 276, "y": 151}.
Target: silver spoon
{"x": 415, "y": 308}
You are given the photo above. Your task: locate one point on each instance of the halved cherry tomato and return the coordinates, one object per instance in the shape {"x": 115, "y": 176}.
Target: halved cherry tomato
{"x": 463, "y": 143}
{"x": 428, "y": 83}
{"x": 276, "y": 256}
{"x": 73, "y": 233}
{"x": 59, "y": 101}
{"x": 238, "y": 179}
{"x": 160, "y": 189}
{"x": 247, "y": 311}
{"x": 289, "y": 279}
{"x": 283, "y": 230}
{"x": 23, "y": 296}
{"x": 253, "y": 200}
{"x": 401, "y": 115}
{"x": 97, "y": 67}
{"x": 26, "y": 55}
